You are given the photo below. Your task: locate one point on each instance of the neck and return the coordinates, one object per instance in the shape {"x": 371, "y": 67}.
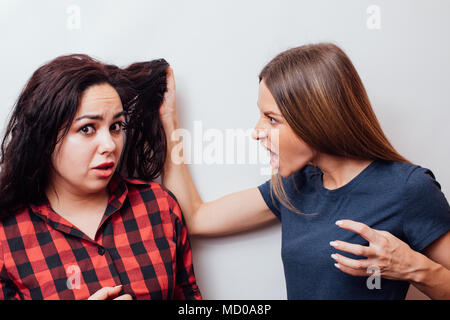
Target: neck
{"x": 68, "y": 202}
{"x": 338, "y": 171}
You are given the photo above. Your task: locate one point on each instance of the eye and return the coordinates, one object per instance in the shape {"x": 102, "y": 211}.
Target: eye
{"x": 272, "y": 120}
{"x": 87, "y": 129}
{"x": 118, "y": 126}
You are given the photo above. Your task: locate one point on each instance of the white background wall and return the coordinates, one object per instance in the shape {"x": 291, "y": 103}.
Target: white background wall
{"x": 217, "y": 49}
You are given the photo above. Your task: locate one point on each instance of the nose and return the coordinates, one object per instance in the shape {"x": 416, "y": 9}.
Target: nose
{"x": 106, "y": 143}
{"x": 259, "y": 132}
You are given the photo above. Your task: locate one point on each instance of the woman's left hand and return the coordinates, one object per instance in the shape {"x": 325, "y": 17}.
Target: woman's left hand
{"x": 387, "y": 255}
{"x": 168, "y": 109}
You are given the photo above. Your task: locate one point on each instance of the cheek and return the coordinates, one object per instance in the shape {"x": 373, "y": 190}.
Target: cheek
{"x": 292, "y": 147}
{"x": 274, "y": 138}
{"x": 120, "y": 142}
{"x": 73, "y": 153}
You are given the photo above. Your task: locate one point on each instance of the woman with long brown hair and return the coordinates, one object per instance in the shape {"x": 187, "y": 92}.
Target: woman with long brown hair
{"x": 350, "y": 205}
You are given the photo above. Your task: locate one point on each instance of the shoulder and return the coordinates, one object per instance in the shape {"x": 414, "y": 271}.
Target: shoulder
{"x": 155, "y": 193}
{"x": 417, "y": 185}
{"x": 149, "y": 186}
{"x": 411, "y": 178}
{"x": 412, "y": 181}
{"x": 11, "y": 218}
{"x": 13, "y": 224}
{"x": 395, "y": 177}
{"x": 402, "y": 170}
{"x": 421, "y": 185}
{"x": 420, "y": 178}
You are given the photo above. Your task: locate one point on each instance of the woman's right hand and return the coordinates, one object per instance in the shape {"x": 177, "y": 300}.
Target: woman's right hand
{"x": 108, "y": 293}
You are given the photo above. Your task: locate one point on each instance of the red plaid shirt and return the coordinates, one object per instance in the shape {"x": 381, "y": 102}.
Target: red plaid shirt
{"x": 141, "y": 243}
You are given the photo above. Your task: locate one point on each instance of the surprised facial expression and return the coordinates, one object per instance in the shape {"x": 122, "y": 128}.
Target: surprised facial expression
{"x": 86, "y": 158}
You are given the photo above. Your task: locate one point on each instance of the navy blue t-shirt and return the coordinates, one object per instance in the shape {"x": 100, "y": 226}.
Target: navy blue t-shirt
{"x": 401, "y": 198}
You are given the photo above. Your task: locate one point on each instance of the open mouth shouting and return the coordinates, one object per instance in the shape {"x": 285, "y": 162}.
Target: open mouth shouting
{"x": 274, "y": 158}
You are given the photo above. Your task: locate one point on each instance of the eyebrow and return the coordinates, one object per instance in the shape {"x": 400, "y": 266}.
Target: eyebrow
{"x": 268, "y": 112}
{"x": 98, "y": 117}
{"x": 272, "y": 113}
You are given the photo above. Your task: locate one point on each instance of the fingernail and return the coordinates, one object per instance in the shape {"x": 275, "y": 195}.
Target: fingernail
{"x": 336, "y": 265}
{"x": 339, "y": 222}
{"x": 333, "y": 243}
{"x": 117, "y": 286}
{"x": 334, "y": 256}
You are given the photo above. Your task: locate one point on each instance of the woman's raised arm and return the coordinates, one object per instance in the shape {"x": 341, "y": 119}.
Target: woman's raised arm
{"x": 229, "y": 214}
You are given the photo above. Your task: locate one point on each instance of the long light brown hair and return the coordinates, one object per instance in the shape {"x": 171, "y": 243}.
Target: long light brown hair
{"x": 323, "y": 100}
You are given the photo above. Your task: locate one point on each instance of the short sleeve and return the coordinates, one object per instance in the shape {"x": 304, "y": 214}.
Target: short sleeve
{"x": 271, "y": 202}
{"x": 427, "y": 214}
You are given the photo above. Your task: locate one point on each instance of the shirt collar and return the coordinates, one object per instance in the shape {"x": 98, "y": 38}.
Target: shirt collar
{"x": 118, "y": 191}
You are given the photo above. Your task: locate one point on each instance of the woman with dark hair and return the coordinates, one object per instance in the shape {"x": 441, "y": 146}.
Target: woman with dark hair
{"x": 71, "y": 227}
{"x": 338, "y": 185}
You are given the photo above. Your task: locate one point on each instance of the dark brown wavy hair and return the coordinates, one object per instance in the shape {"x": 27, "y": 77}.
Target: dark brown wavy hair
{"x": 323, "y": 99}
{"x": 47, "y": 106}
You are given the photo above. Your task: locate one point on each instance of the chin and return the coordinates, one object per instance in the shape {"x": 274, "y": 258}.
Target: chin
{"x": 284, "y": 173}
{"x": 96, "y": 186}
{"x": 287, "y": 172}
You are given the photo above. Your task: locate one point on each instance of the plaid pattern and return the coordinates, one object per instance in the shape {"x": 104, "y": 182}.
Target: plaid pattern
{"x": 142, "y": 243}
